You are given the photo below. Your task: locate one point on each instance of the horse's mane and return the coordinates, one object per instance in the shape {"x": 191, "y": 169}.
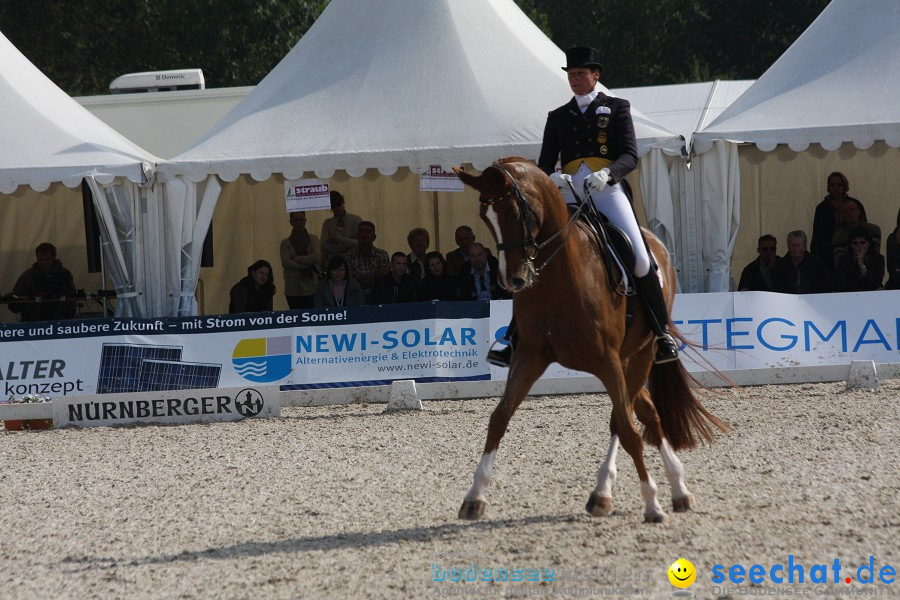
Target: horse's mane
{"x": 510, "y": 159}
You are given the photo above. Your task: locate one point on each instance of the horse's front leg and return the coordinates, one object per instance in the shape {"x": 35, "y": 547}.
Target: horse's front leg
{"x": 524, "y": 370}
{"x": 600, "y": 503}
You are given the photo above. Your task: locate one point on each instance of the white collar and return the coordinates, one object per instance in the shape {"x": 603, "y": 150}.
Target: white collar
{"x": 584, "y": 101}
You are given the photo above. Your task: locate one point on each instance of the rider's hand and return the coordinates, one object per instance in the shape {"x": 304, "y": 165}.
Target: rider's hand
{"x": 561, "y": 180}
{"x": 598, "y": 179}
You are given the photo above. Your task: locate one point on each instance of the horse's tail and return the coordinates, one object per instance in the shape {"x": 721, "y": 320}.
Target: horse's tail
{"x": 681, "y": 415}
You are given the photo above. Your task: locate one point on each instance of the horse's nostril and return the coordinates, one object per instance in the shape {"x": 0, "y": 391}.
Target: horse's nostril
{"x": 518, "y": 282}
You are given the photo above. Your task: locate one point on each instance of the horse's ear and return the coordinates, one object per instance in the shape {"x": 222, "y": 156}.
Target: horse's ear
{"x": 491, "y": 182}
{"x": 467, "y": 178}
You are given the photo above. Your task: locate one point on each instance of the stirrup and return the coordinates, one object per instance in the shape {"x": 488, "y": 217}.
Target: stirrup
{"x": 500, "y": 358}
{"x": 666, "y": 349}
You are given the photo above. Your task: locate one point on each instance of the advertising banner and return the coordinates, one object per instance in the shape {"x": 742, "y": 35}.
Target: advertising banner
{"x": 353, "y": 346}
{"x": 439, "y": 180}
{"x": 306, "y": 194}
{"x": 758, "y": 330}
{"x": 168, "y": 407}
{"x": 426, "y": 342}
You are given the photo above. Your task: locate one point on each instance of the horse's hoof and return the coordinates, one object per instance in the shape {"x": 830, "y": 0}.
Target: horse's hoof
{"x": 472, "y": 510}
{"x": 662, "y": 519}
{"x": 599, "y": 506}
{"x": 684, "y": 504}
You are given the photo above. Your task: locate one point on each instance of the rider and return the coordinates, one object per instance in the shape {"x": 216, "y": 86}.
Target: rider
{"x": 594, "y": 132}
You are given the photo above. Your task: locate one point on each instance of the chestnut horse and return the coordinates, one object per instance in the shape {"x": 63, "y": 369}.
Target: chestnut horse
{"x": 568, "y": 312}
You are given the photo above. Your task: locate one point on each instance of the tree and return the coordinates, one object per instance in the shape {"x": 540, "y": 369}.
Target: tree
{"x": 652, "y": 42}
{"x": 83, "y": 45}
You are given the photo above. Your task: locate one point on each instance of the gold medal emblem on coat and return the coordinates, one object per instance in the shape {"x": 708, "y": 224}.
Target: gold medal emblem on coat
{"x": 604, "y": 149}
{"x": 601, "y": 137}
{"x": 603, "y": 122}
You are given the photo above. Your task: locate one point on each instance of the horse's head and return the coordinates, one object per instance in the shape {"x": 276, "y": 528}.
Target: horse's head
{"x": 513, "y": 200}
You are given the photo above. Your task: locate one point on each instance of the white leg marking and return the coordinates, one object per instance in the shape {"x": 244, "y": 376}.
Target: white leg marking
{"x": 606, "y": 474}
{"x": 652, "y": 509}
{"x": 491, "y": 215}
{"x": 674, "y": 471}
{"x": 482, "y": 476}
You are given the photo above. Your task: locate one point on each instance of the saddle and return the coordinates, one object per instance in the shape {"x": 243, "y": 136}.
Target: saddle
{"x": 615, "y": 248}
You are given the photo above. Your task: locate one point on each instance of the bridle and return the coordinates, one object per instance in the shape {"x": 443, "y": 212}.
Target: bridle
{"x": 528, "y": 217}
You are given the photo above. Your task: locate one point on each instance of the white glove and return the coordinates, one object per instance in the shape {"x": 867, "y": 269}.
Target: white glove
{"x": 598, "y": 179}
{"x": 561, "y": 180}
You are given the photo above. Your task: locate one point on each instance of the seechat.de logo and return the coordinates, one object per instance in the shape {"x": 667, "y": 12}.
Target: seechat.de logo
{"x": 262, "y": 360}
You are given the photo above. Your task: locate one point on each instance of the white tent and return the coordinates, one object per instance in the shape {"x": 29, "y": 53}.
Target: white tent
{"x": 828, "y": 103}
{"x": 837, "y": 83}
{"x": 704, "y": 188}
{"x": 388, "y": 85}
{"x": 684, "y": 108}
{"x": 50, "y": 138}
{"x": 398, "y": 83}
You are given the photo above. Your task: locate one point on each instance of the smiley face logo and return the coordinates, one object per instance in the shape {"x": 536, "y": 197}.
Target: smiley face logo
{"x": 682, "y": 573}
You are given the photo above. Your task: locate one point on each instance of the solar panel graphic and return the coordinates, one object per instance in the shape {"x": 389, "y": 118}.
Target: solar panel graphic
{"x": 161, "y": 375}
{"x": 120, "y": 365}
{"x": 144, "y": 368}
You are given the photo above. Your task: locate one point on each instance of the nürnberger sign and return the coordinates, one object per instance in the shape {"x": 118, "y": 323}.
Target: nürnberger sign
{"x": 168, "y": 407}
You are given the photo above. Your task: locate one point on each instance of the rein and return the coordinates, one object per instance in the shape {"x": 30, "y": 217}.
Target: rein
{"x": 531, "y": 245}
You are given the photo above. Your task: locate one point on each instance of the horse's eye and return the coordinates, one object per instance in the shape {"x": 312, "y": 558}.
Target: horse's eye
{"x": 512, "y": 216}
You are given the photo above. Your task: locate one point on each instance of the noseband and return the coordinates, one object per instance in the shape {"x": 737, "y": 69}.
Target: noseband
{"x": 528, "y": 217}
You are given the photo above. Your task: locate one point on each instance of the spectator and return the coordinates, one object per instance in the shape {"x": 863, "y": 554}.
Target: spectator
{"x": 826, "y": 220}
{"x": 892, "y": 252}
{"x": 398, "y": 286}
{"x": 253, "y": 293}
{"x": 338, "y": 232}
{"x": 455, "y": 258}
{"x": 46, "y": 291}
{"x": 477, "y": 280}
{"x": 366, "y": 262}
{"x": 800, "y": 272}
{"x": 338, "y": 288}
{"x": 861, "y": 267}
{"x": 757, "y": 276}
{"x": 301, "y": 255}
{"x": 849, "y": 220}
{"x": 438, "y": 284}
{"x": 418, "y": 240}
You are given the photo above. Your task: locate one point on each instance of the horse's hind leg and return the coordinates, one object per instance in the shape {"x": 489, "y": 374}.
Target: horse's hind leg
{"x": 523, "y": 372}
{"x": 682, "y": 499}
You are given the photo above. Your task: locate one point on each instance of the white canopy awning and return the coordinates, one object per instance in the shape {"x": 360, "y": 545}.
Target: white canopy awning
{"x": 386, "y": 84}
{"x": 684, "y": 108}
{"x": 839, "y": 82}
{"x": 48, "y": 137}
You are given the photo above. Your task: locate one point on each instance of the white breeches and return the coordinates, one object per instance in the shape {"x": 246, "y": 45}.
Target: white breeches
{"x": 613, "y": 203}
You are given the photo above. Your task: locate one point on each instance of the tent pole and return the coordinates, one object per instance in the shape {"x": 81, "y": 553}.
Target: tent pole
{"x": 437, "y": 232}
{"x": 103, "y": 278}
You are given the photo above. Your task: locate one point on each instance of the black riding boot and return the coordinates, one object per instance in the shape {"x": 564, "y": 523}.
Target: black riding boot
{"x": 502, "y": 357}
{"x": 651, "y": 293}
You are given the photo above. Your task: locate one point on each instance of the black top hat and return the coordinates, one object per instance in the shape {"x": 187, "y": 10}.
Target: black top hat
{"x": 582, "y": 56}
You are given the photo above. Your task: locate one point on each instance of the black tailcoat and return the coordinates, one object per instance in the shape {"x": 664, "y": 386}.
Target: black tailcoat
{"x": 594, "y": 134}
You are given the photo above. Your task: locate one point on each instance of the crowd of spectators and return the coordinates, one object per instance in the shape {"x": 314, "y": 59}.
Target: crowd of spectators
{"x": 843, "y": 256}
{"x": 344, "y": 267}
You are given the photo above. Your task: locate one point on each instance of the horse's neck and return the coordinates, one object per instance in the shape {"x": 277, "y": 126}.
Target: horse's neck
{"x": 572, "y": 247}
